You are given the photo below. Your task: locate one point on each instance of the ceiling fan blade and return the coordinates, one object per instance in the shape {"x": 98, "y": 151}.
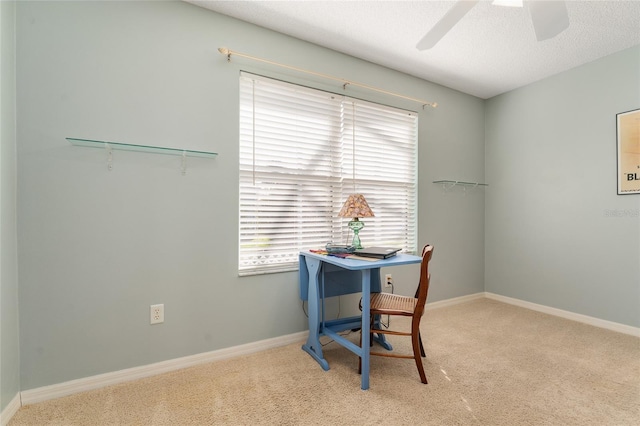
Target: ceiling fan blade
{"x": 549, "y": 18}
{"x": 445, "y": 24}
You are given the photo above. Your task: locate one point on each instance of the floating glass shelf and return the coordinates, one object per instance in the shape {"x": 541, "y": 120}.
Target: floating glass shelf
{"x": 141, "y": 148}
{"x": 458, "y": 182}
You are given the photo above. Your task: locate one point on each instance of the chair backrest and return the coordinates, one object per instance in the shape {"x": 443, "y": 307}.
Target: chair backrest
{"x": 425, "y": 277}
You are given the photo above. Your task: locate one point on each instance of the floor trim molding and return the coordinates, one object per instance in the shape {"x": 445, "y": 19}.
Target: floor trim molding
{"x": 12, "y": 408}
{"x": 453, "y": 301}
{"x": 596, "y": 322}
{"x": 101, "y": 380}
{"x": 94, "y": 382}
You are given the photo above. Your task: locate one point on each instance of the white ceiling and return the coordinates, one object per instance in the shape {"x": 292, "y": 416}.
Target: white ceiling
{"x": 490, "y": 51}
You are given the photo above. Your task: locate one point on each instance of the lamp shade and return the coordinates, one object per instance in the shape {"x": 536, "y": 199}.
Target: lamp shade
{"x": 356, "y": 206}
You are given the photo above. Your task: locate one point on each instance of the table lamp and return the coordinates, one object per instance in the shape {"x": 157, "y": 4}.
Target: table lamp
{"x": 356, "y": 207}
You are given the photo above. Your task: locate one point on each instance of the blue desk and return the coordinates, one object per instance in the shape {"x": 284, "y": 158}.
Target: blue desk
{"x": 326, "y": 276}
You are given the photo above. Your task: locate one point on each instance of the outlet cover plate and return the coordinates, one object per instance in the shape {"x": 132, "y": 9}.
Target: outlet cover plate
{"x": 156, "y": 313}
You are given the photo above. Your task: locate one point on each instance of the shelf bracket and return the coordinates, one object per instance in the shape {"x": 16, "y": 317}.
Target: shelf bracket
{"x": 107, "y": 147}
{"x": 447, "y": 185}
{"x": 184, "y": 163}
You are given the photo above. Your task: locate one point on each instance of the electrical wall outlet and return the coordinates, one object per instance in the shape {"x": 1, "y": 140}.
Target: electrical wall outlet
{"x": 157, "y": 314}
{"x": 388, "y": 280}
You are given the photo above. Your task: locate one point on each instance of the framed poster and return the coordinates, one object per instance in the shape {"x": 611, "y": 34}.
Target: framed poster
{"x": 628, "y": 130}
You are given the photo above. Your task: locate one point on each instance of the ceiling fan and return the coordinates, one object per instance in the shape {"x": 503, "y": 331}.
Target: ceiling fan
{"x": 549, "y": 19}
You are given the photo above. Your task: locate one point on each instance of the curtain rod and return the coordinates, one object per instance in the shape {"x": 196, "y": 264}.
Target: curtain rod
{"x": 344, "y": 82}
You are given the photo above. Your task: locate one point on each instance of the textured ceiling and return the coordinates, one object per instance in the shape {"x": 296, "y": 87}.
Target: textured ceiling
{"x": 490, "y": 51}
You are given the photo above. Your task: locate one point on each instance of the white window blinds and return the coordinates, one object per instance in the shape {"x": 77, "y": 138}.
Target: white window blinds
{"x": 297, "y": 169}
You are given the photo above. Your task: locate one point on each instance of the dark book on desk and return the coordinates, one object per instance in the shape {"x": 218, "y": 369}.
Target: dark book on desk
{"x": 377, "y": 252}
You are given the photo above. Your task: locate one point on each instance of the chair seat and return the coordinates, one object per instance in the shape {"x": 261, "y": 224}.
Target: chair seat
{"x": 382, "y": 303}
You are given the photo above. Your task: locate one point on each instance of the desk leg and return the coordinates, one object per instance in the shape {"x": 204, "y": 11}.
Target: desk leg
{"x": 313, "y": 346}
{"x": 366, "y": 309}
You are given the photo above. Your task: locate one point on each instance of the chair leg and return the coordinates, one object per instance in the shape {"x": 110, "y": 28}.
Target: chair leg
{"x": 417, "y": 346}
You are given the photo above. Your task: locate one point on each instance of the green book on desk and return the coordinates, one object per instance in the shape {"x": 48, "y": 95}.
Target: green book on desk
{"x": 377, "y": 252}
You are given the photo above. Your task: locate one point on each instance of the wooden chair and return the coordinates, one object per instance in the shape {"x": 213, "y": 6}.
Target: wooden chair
{"x": 393, "y": 304}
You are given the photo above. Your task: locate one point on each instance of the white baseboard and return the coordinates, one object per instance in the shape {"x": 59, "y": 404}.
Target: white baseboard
{"x": 11, "y": 409}
{"x": 101, "y": 380}
{"x": 94, "y": 382}
{"x": 596, "y": 322}
{"x": 71, "y": 387}
{"x": 454, "y": 301}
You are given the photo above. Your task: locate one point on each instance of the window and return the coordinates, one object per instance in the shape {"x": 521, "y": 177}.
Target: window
{"x": 299, "y": 163}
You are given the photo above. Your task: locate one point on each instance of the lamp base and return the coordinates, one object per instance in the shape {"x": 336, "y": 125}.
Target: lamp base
{"x": 355, "y": 225}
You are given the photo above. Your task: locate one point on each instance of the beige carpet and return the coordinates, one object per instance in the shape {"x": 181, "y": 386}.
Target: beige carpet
{"x": 488, "y": 363}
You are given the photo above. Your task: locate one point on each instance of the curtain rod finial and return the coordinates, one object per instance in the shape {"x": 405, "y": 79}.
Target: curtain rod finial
{"x": 223, "y": 50}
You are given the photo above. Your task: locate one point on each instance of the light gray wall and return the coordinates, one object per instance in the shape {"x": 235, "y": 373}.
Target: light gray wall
{"x": 96, "y": 248}
{"x": 557, "y": 233}
{"x": 9, "y": 343}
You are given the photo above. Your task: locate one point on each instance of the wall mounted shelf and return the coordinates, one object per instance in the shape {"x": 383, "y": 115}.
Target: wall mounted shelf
{"x": 446, "y": 184}
{"x": 108, "y": 146}
{"x": 141, "y": 148}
